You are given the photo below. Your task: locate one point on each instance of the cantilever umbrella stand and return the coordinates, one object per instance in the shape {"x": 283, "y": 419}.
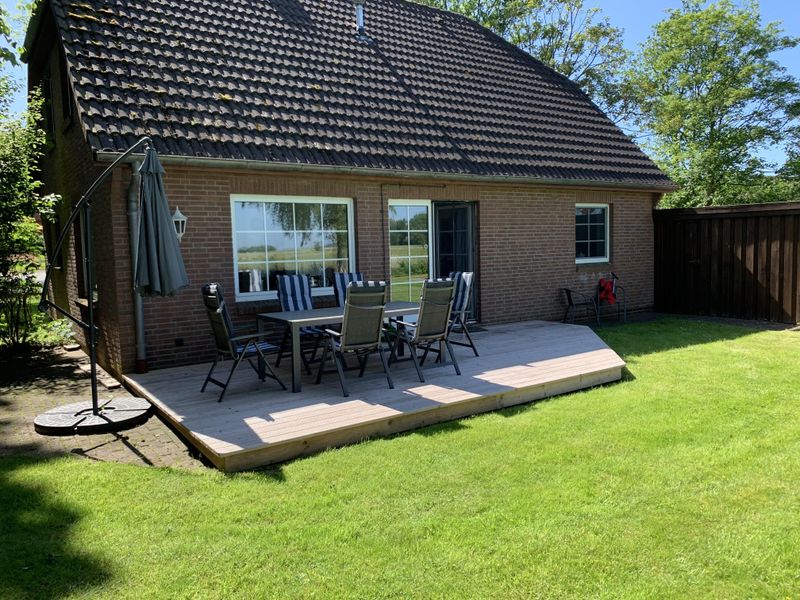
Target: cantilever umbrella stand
{"x": 90, "y": 416}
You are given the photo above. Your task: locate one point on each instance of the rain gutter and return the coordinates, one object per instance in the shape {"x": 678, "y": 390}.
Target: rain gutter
{"x": 260, "y": 165}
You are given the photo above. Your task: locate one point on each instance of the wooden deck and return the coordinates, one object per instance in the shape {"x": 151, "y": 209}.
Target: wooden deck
{"x": 258, "y": 424}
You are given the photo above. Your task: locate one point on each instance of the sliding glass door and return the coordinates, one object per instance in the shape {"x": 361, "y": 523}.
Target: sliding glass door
{"x": 410, "y": 247}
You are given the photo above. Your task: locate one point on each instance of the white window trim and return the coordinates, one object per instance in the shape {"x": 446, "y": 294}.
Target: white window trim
{"x": 597, "y": 259}
{"x": 273, "y": 294}
{"x": 414, "y": 202}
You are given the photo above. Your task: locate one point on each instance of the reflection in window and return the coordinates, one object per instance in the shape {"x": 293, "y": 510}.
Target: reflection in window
{"x": 591, "y": 233}
{"x": 274, "y": 238}
{"x": 409, "y": 249}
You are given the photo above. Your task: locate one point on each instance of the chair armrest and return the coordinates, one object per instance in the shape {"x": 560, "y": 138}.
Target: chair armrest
{"x": 586, "y": 298}
{"x": 333, "y": 333}
{"x": 400, "y": 323}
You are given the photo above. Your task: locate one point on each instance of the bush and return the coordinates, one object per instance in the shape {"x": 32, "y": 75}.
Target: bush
{"x": 18, "y": 291}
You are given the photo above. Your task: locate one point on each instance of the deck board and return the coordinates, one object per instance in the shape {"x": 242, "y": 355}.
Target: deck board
{"x": 258, "y": 423}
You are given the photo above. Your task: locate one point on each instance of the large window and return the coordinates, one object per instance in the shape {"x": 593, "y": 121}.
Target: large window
{"x": 276, "y": 235}
{"x": 591, "y": 233}
{"x": 409, "y": 243}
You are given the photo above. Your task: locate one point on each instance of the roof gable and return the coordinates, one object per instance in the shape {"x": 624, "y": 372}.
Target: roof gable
{"x": 288, "y": 81}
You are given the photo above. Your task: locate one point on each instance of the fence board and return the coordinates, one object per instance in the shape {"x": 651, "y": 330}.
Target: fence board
{"x": 737, "y": 261}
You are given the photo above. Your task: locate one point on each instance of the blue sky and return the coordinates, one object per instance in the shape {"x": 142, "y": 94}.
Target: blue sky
{"x": 636, "y": 19}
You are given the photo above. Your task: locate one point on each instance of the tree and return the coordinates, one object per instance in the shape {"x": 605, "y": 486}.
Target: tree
{"x": 21, "y": 143}
{"x": 21, "y": 243}
{"x": 8, "y": 45}
{"x": 707, "y": 91}
{"x": 497, "y": 15}
{"x": 577, "y": 42}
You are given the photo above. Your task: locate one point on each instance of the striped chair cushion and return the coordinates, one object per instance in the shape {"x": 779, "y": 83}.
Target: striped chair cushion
{"x": 265, "y": 347}
{"x": 340, "y": 283}
{"x": 294, "y": 292}
{"x": 463, "y": 281}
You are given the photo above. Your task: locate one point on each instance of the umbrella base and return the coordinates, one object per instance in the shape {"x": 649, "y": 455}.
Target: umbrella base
{"x": 77, "y": 418}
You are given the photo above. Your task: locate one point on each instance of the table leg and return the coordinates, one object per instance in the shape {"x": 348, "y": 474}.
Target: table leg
{"x": 297, "y": 362}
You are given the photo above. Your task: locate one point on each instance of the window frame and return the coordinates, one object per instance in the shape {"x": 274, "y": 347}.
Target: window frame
{"x": 607, "y": 255}
{"x": 265, "y": 198}
{"x": 411, "y": 202}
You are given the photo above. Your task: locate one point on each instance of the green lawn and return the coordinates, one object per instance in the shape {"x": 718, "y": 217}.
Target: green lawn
{"x": 681, "y": 481}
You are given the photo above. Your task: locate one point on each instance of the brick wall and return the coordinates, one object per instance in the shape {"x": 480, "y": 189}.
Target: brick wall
{"x": 526, "y": 249}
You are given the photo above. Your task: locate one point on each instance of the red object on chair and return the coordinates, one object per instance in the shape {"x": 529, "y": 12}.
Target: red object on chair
{"x": 607, "y": 290}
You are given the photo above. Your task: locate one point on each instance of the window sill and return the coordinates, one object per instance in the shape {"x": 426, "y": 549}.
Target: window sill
{"x": 267, "y": 297}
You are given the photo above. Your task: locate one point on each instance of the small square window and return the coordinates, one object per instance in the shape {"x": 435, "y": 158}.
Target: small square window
{"x": 591, "y": 233}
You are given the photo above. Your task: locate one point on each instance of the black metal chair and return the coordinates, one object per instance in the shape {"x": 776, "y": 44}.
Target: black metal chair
{"x": 361, "y": 333}
{"x": 229, "y": 345}
{"x": 577, "y": 300}
{"x": 432, "y": 326}
{"x": 618, "y": 293}
{"x": 458, "y": 316}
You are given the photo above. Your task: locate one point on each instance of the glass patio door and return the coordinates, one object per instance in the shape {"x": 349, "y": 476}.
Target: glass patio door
{"x": 409, "y": 247}
{"x": 455, "y": 247}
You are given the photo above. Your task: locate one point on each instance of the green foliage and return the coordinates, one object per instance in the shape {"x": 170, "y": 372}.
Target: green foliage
{"x": 705, "y": 87}
{"x": 578, "y": 42}
{"x": 8, "y": 45}
{"x": 18, "y": 290}
{"x": 21, "y": 143}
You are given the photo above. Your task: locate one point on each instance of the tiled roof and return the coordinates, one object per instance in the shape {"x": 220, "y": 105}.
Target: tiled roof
{"x": 288, "y": 81}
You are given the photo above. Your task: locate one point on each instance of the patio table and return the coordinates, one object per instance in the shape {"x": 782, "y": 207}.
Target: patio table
{"x": 298, "y": 319}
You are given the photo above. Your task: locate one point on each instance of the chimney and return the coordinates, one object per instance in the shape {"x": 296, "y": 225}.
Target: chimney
{"x": 359, "y": 6}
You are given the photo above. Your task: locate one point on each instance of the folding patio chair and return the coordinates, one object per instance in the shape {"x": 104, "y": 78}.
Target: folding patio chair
{"x": 294, "y": 294}
{"x": 610, "y": 291}
{"x": 576, "y": 300}
{"x": 362, "y": 330}
{"x": 432, "y": 326}
{"x": 228, "y": 344}
{"x": 340, "y": 283}
{"x": 458, "y": 316}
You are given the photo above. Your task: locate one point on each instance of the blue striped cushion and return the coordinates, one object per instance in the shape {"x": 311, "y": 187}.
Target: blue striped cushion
{"x": 265, "y": 347}
{"x": 340, "y": 283}
{"x": 461, "y": 295}
{"x": 294, "y": 292}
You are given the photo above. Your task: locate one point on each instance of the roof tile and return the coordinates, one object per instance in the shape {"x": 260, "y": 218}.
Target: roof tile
{"x": 289, "y": 81}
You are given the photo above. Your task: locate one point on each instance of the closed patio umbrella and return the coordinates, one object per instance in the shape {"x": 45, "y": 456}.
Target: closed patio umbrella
{"x": 160, "y": 271}
{"x": 159, "y": 264}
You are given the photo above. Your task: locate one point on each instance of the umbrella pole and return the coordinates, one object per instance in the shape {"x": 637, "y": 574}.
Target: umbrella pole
{"x": 92, "y": 330}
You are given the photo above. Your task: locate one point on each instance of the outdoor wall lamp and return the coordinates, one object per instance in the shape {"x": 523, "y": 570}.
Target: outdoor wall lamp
{"x": 179, "y": 220}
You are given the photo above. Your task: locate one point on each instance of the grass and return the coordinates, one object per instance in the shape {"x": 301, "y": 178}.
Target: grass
{"x": 681, "y": 481}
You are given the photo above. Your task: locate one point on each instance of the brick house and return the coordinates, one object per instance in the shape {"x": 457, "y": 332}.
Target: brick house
{"x": 295, "y": 142}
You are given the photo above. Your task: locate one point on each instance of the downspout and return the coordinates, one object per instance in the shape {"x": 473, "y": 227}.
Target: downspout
{"x": 133, "y": 236}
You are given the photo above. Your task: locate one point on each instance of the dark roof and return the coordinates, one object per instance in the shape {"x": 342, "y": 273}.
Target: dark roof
{"x": 288, "y": 81}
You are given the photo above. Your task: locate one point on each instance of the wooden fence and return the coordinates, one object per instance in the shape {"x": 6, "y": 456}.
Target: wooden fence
{"x": 735, "y": 261}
